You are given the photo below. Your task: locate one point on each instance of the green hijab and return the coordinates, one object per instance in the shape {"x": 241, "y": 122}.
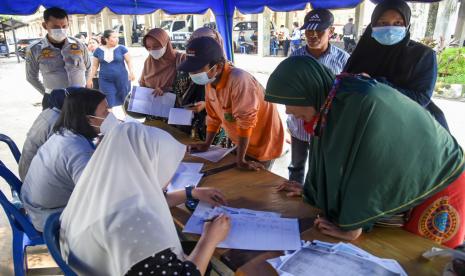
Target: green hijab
{"x": 380, "y": 152}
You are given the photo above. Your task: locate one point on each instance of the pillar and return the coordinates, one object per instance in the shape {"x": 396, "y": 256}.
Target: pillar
{"x": 460, "y": 27}
{"x": 359, "y": 16}
{"x": 264, "y": 30}
{"x": 127, "y": 30}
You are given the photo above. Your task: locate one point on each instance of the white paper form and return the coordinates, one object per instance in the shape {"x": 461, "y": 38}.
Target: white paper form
{"x": 214, "y": 153}
{"x": 182, "y": 180}
{"x": 143, "y": 101}
{"x": 180, "y": 116}
{"x": 191, "y": 167}
{"x": 250, "y": 229}
{"x": 325, "y": 263}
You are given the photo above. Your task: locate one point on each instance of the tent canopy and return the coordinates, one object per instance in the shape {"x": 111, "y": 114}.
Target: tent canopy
{"x": 223, "y": 9}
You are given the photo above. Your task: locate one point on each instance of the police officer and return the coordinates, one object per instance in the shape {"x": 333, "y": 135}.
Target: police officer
{"x": 62, "y": 60}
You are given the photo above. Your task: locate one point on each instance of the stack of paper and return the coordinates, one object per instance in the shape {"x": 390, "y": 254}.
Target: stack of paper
{"x": 250, "y": 229}
{"x": 188, "y": 174}
{"x": 214, "y": 153}
{"x": 322, "y": 258}
{"x": 143, "y": 101}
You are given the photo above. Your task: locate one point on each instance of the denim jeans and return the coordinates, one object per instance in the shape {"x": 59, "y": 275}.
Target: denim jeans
{"x": 300, "y": 151}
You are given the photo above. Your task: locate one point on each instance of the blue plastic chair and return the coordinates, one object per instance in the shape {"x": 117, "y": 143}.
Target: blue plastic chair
{"x": 24, "y": 234}
{"x": 52, "y": 239}
{"x": 15, "y": 185}
{"x": 13, "y": 148}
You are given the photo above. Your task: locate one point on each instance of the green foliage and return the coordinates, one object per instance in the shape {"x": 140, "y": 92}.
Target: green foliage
{"x": 451, "y": 65}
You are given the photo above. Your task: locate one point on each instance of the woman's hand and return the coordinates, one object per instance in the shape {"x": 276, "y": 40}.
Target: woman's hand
{"x": 90, "y": 84}
{"x": 217, "y": 230}
{"x": 157, "y": 92}
{"x": 209, "y": 195}
{"x": 292, "y": 188}
{"x": 198, "y": 107}
{"x": 132, "y": 77}
{"x": 328, "y": 228}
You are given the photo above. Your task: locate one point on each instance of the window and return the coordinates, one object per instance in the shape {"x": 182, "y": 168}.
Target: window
{"x": 179, "y": 25}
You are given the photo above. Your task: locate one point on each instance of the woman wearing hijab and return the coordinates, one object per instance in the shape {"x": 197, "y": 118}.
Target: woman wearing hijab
{"x": 114, "y": 80}
{"x": 59, "y": 162}
{"x": 159, "y": 71}
{"x": 386, "y": 53}
{"x": 366, "y": 166}
{"x": 118, "y": 221}
{"x": 41, "y": 129}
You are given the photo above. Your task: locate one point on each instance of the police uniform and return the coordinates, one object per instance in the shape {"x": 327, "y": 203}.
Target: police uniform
{"x": 60, "y": 68}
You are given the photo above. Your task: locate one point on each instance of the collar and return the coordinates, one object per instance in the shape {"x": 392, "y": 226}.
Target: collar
{"x": 328, "y": 51}
{"x": 224, "y": 76}
{"x": 46, "y": 43}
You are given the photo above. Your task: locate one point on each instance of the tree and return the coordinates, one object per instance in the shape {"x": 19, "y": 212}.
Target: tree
{"x": 432, "y": 15}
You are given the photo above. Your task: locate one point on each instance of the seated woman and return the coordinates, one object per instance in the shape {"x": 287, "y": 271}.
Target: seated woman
{"x": 386, "y": 53}
{"x": 41, "y": 129}
{"x": 58, "y": 164}
{"x": 375, "y": 153}
{"x": 118, "y": 222}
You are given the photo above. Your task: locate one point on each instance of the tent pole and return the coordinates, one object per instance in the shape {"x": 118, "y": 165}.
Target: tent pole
{"x": 16, "y": 44}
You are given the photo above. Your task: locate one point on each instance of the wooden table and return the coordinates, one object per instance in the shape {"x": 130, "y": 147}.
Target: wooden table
{"x": 256, "y": 190}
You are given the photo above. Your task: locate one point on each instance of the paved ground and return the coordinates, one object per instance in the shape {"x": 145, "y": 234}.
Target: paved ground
{"x": 18, "y": 109}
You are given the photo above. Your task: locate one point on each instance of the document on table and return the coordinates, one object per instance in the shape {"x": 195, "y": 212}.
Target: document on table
{"x": 187, "y": 174}
{"x": 180, "y": 116}
{"x": 250, "y": 229}
{"x": 143, "y": 101}
{"x": 214, "y": 153}
{"x": 324, "y": 258}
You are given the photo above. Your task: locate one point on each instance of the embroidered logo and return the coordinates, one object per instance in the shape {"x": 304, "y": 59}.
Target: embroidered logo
{"x": 229, "y": 117}
{"x": 440, "y": 221}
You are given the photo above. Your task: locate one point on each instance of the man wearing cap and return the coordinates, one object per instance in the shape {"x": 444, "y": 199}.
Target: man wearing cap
{"x": 317, "y": 33}
{"x": 234, "y": 101}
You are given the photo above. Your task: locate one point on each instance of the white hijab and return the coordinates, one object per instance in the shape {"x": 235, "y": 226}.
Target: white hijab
{"x": 117, "y": 215}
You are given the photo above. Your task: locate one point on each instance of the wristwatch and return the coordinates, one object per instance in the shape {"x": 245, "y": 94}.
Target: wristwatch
{"x": 189, "y": 193}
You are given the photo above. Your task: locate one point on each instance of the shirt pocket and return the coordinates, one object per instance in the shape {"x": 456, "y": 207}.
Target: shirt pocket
{"x": 75, "y": 61}
{"x": 228, "y": 115}
{"x": 49, "y": 65}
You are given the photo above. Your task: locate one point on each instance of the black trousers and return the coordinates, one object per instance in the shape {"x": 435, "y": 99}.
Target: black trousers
{"x": 45, "y": 101}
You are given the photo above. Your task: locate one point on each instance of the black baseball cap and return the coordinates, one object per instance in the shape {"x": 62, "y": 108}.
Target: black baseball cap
{"x": 200, "y": 52}
{"x": 318, "y": 20}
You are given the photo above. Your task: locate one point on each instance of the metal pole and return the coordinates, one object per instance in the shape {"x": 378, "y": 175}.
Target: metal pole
{"x": 16, "y": 44}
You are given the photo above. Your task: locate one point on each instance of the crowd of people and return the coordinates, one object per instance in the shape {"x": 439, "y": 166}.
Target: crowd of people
{"x": 377, "y": 149}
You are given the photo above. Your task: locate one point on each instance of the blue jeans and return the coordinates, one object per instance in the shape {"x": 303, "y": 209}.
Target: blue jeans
{"x": 300, "y": 151}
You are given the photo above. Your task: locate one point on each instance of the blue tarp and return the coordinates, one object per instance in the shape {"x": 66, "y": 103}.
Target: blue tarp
{"x": 223, "y": 9}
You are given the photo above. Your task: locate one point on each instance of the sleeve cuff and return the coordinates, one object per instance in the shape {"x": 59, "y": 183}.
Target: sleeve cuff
{"x": 213, "y": 128}
{"x": 244, "y": 132}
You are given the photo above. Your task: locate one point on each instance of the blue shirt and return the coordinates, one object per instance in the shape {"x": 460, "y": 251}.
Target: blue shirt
{"x": 53, "y": 173}
{"x": 335, "y": 60}
{"x": 114, "y": 69}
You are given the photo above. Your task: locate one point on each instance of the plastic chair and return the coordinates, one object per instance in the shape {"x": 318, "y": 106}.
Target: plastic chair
{"x": 13, "y": 148}
{"x": 15, "y": 185}
{"x": 24, "y": 234}
{"x": 52, "y": 239}
{"x": 243, "y": 49}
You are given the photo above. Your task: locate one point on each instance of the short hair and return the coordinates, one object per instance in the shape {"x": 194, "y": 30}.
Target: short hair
{"x": 55, "y": 12}
{"x": 296, "y": 24}
{"x": 282, "y": 26}
{"x": 78, "y": 104}
{"x": 106, "y": 35}
{"x": 351, "y": 19}
{"x": 219, "y": 60}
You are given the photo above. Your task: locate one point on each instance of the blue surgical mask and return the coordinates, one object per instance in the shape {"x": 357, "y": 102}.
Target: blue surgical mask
{"x": 202, "y": 78}
{"x": 389, "y": 35}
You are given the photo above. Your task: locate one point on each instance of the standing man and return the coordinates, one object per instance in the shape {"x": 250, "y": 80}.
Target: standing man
{"x": 62, "y": 60}
{"x": 318, "y": 30}
{"x": 349, "y": 35}
{"x": 235, "y": 100}
{"x": 296, "y": 37}
{"x": 284, "y": 39}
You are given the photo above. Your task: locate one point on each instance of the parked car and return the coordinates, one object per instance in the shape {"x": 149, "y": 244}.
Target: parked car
{"x": 248, "y": 27}
{"x": 23, "y": 44}
{"x": 179, "y": 31}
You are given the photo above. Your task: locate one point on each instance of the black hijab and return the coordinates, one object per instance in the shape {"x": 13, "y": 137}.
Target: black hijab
{"x": 395, "y": 62}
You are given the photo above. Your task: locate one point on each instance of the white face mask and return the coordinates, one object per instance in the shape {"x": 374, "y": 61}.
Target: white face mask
{"x": 202, "y": 77}
{"x": 157, "y": 54}
{"x": 108, "y": 123}
{"x": 57, "y": 34}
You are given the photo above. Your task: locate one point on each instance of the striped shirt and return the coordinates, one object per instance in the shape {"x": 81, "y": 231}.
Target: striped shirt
{"x": 334, "y": 59}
